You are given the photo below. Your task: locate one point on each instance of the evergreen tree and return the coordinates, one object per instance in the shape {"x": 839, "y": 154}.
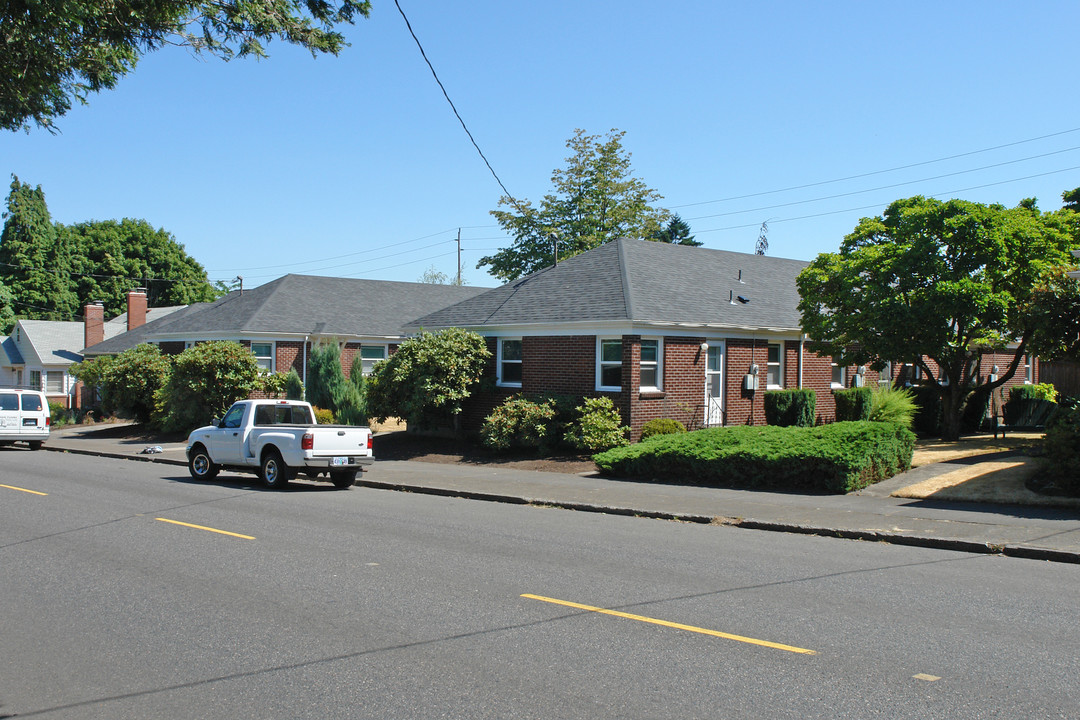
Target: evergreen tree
{"x": 676, "y": 232}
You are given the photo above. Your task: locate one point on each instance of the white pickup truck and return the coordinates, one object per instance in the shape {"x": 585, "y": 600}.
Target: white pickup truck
{"x": 278, "y": 439}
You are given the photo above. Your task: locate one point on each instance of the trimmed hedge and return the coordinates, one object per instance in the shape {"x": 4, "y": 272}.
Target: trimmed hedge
{"x": 1061, "y": 462}
{"x": 784, "y": 408}
{"x": 835, "y": 458}
{"x": 853, "y": 404}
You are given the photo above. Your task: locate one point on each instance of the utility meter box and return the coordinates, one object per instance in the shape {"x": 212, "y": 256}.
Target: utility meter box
{"x": 750, "y": 382}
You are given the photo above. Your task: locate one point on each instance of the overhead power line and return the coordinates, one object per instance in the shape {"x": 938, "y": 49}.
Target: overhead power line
{"x": 452, "y": 107}
{"x": 877, "y": 172}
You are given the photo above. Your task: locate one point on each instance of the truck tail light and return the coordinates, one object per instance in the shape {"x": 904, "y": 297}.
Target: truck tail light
{"x": 369, "y": 441}
{"x": 48, "y": 422}
{"x": 307, "y": 442}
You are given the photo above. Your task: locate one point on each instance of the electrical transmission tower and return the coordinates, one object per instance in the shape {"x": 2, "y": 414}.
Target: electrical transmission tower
{"x": 763, "y": 240}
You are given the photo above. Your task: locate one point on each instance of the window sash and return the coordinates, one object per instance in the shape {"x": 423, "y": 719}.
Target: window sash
{"x": 650, "y": 364}
{"x": 510, "y": 362}
{"x": 839, "y": 376}
{"x": 610, "y": 365}
{"x": 369, "y": 355}
{"x": 264, "y": 355}
{"x": 774, "y": 367}
{"x": 54, "y": 382}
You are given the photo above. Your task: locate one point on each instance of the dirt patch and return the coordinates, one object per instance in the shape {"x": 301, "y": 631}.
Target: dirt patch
{"x": 928, "y": 451}
{"x": 404, "y": 446}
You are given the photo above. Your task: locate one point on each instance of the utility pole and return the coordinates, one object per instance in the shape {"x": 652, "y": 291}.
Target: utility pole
{"x": 459, "y": 257}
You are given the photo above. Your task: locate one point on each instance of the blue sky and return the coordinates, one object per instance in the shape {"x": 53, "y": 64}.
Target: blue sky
{"x": 355, "y": 165}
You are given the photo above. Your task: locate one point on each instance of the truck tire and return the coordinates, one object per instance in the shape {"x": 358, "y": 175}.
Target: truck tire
{"x": 273, "y": 471}
{"x": 343, "y": 478}
{"x": 200, "y": 465}
{"x": 35, "y": 444}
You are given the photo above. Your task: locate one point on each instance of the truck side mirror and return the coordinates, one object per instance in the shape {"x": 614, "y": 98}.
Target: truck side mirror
{"x": 216, "y": 422}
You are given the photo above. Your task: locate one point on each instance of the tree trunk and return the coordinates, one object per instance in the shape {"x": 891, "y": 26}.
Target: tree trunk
{"x": 952, "y": 411}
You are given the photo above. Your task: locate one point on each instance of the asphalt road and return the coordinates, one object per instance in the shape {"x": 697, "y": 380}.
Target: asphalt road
{"x": 121, "y": 596}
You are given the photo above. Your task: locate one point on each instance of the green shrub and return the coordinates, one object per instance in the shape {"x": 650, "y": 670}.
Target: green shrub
{"x": 1061, "y": 461}
{"x": 518, "y": 423}
{"x": 892, "y": 405}
{"x": 1029, "y": 405}
{"x": 853, "y": 404}
{"x": 294, "y": 387}
{"x": 59, "y": 415}
{"x": 205, "y": 380}
{"x": 323, "y": 416}
{"x": 661, "y": 426}
{"x": 273, "y": 384}
{"x": 598, "y": 426}
{"x": 785, "y": 408}
{"x": 131, "y": 380}
{"x": 837, "y": 458}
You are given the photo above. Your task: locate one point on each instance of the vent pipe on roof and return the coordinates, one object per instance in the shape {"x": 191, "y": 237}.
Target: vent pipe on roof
{"x": 731, "y": 296}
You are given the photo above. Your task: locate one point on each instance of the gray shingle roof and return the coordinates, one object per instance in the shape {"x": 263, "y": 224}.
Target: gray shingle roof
{"x": 55, "y": 342}
{"x": 645, "y": 282}
{"x": 301, "y": 305}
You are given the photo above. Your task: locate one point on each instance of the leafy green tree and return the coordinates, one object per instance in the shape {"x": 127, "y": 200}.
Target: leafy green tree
{"x": 1071, "y": 200}
{"x": 7, "y": 309}
{"x": 676, "y": 232}
{"x": 33, "y": 265}
{"x": 131, "y": 380}
{"x": 434, "y": 276}
{"x": 91, "y": 372}
{"x": 112, "y": 257}
{"x": 54, "y": 52}
{"x": 429, "y": 377}
{"x": 205, "y": 380}
{"x": 596, "y": 199}
{"x": 943, "y": 281}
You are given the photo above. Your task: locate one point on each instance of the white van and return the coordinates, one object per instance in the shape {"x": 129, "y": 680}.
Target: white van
{"x": 24, "y": 417}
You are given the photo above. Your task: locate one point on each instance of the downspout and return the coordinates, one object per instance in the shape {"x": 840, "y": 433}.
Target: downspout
{"x": 798, "y": 379}
{"x": 303, "y": 365}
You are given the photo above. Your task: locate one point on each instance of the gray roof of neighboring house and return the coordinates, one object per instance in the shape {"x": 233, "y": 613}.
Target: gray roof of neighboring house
{"x": 120, "y": 321}
{"x": 641, "y": 281}
{"x": 301, "y": 305}
{"x": 55, "y": 342}
{"x": 11, "y": 350}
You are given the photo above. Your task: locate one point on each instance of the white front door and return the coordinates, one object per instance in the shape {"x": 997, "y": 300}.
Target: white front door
{"x": 714, "y": 385}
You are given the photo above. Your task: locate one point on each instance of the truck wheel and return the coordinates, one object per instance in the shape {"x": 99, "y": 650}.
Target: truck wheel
{"x": 35, "y": 444}
{"x": 200, "y": 465}
{"x": 273, "y": 471}
{"x": 343, "y": 478}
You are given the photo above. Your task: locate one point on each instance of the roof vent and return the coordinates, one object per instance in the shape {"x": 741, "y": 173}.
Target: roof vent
{"x": 740, "y": 276}
{"x": 743, "y": 300}
{"x": 731, "y": 296}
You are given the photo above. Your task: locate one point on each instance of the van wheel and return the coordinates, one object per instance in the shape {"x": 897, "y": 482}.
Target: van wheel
{"x": 273, "y": 471}
{"x": 35, "y": 444}
{"x": 200, "y": 465}
{"x": 343, "y": 478}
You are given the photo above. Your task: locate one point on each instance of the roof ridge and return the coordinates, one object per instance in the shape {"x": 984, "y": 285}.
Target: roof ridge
{"x": 625, "y": 277}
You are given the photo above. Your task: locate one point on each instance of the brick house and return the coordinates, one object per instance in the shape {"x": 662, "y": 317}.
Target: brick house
{"x": 281, "y": 321}
{"x": 664, "y": 330}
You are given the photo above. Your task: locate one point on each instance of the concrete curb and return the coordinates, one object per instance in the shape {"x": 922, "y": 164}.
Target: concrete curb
{"x": 1010, "y": 550}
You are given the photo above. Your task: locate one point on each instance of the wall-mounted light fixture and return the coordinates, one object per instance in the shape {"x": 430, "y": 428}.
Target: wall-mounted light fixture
{"x": 704, "y": 346}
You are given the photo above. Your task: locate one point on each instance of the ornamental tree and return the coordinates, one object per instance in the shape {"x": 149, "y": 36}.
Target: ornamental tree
{"x": 596, "y": 199}
{"x": 939, "y": 281}
{"x": 426, "y": 381}
{"x": 205, "y": 380}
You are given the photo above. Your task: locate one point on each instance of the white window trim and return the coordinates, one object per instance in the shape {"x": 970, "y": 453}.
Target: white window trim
{"x": 600, "y": 340}
{"x": 273, "y": 353}
{"x": 659, "y": 386}
{"x": 779, "y": 369}
{"x": 843, "y": 375}
{"x": 1029, "y": 370}
{"x": 499, "y": 382}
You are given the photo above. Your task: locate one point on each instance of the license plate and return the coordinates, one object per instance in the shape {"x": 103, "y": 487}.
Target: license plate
{"x": 30, "y": 422}
{"x": 341, "y": 461}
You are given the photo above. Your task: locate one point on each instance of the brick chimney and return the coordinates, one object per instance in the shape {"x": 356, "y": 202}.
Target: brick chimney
{"x": 93, "y": 323}
{"x": 136, "y": 308}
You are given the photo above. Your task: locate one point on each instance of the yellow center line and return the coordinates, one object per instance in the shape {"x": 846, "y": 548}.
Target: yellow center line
{"x": 32, "y": 492}
{"x": 678, "y": 626}
{"x": 208, "y": 529}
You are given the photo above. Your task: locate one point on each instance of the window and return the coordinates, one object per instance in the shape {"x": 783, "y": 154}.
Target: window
{"x": 31, "y": 402}
{"x": 651, "y": 364}
{"x": 1028, "y": 375}
{"x": 839, "y": 374}
{"x": 9, "y": 401}
{"x": 54, "y": 382}
{"x": 509, "y": 362}
{"x": 371, "y": 354}
{"x": 609, "y": 364}
{"x": 233, "y": 417}
{"x": 264, "y": 354}
{"x": 35, "y": 379}
{"x": 774, "y": 370}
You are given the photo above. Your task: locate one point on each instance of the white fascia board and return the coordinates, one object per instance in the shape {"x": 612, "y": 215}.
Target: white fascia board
{"x": 624, "y": 327}
{"x": 268, "y": 336}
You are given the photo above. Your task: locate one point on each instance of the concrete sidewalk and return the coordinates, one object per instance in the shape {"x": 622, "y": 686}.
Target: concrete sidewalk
{"x": 872, "y": 514}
